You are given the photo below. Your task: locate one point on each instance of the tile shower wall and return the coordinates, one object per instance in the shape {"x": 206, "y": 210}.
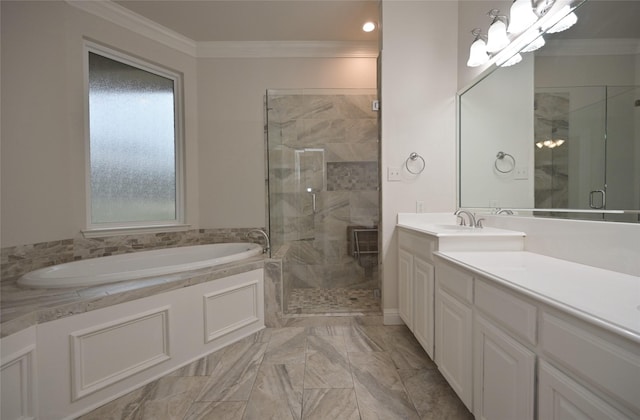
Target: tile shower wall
{"x": 324, "y": 145}
{"x": 18, "y": 260}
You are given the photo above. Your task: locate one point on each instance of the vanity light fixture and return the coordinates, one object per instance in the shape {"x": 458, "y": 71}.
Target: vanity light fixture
{"x": 521, "y": 16}
{"x": 512, "y": 61}
{"x": 569, "y": 19}
{"x": 540, "y": 16}
{"x": 369, "y": 27}
{"x": 536, "y": 44}
{"x": 478, "y": 51}
{"x": 497, "y": 37}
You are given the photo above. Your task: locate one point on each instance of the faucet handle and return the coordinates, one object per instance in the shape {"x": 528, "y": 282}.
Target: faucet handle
{"x": 462, "y": 221}
{"x": 479, "y": 223}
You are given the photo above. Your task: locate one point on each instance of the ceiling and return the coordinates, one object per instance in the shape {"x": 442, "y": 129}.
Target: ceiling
{"x": 266, "y": 20}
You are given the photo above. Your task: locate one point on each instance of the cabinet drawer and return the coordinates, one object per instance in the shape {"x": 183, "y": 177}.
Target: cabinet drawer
{"x": 422, "y": 246}
{"x": 457, "y": 282}
{"x": 516, "y": 315}
{"x": 603, "y": 363}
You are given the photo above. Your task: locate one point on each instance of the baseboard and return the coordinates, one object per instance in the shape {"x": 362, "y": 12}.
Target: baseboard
{"x": 391, "y": 317}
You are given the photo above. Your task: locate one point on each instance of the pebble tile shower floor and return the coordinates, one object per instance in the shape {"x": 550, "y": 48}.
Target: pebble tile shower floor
{"x": 333, "y": 368}
{"x": 336, "y": 300}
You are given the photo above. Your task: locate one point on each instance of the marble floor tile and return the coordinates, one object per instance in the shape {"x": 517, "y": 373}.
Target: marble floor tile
{"x": 228, "y": 410}
{"x": 324, "y": 368}
{"x": 327, "y": 364}
{"x": 231, "y": 379}
{"x": 330, "y": 404}
{"x": 379, "y": 389}
{"x": 277, "y": 393}
{"x": 432, "y": 396}
{"x": 360, "y": 338}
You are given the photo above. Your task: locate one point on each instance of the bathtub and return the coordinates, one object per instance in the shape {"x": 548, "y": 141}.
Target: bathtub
{"x": 96, "y": 271}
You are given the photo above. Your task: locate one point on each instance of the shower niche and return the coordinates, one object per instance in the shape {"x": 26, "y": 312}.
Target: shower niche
{"x": 324, "y": 188}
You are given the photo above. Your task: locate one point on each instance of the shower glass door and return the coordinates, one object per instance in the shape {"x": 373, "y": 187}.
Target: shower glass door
{"x": 323, "y": 183}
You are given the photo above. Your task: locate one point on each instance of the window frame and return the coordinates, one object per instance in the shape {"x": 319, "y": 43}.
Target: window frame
{"x": 147, "y": 226}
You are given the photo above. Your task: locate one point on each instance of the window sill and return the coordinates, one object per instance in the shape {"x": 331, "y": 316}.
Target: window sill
{"x": 133, "y": 230}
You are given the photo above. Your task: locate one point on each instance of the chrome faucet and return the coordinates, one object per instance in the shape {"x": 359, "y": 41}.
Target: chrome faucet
{"x": 504, "y": 211}
{"x": 267, "y": 246}
{"x": 470, "y": 216}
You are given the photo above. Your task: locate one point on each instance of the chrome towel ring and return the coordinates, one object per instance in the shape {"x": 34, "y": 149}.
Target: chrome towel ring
{"x": 414, "y": 157}
{"x": 501, "y": 156}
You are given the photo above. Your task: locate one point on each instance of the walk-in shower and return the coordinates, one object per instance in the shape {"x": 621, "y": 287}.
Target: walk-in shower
{"x": 324, "y": 198}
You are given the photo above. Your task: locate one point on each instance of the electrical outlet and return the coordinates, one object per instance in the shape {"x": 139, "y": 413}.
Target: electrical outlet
{"x": 419, "y": 206}
{"x": 393, "y": 174}
{"x": 521, "y": 172}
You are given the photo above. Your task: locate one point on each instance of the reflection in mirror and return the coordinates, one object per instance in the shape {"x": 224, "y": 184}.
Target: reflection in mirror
{"x": 569, "y": 115}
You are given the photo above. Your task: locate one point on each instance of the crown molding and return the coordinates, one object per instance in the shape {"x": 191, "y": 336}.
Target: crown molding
{"x": 576, "y": 47}
{"x": 134, "y": 22}
{"x": 287, "y": 49}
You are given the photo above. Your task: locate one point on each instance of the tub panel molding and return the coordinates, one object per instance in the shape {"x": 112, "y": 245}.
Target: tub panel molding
{"x": 105, "y": 354}
{"x": 230, "y": 309}
{"x": 17, "y": 370}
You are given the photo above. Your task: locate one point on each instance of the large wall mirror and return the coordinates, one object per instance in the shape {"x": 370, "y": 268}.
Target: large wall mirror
{"x": 558, "y": 134}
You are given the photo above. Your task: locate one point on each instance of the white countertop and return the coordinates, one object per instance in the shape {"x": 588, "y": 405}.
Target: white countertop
{"x": 444, "y": 225}
{"x": 602, "y": 297}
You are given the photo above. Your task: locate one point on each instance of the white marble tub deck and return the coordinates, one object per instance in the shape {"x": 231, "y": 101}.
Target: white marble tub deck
{"x": 605, "y": 298}
{"x": 21, "y": 307}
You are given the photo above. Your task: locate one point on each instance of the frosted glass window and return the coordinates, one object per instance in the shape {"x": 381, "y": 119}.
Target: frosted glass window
{"x": 132, "y": 135}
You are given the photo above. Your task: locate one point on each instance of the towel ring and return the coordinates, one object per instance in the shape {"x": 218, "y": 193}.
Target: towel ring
{"x": 414, "y": 157}
{"x": 501, "y": 156}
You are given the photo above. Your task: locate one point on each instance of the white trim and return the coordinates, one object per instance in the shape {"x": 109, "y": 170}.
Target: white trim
{"x": 209, "y": 309}
{"x": 179, "y": 139}
{"x": 392, "y": 317}
{"x": 133, "y": 230}
{"x": 77, "y": 339}
{"x": 141, "y": 25}
{"x": 287, "y": 49}
{"x": 124, "y": 17}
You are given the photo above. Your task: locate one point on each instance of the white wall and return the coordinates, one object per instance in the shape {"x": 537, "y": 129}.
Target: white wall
{"x": 43, "y": 116}
{"x": 419, "y": 59}
{"x": 231, "y": 109}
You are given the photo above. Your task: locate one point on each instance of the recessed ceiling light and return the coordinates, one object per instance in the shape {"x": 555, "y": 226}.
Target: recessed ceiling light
{"x": 369, "y": 27}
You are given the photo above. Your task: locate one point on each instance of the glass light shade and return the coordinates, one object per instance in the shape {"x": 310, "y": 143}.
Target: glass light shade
{"x": 512, "y": 61}
{"x": 521, "y": 16}
{"x": 566, "y": 22}
{"x": 477, "y": 53}
{"x": 497, "y": 36}
{"x": 535, "y": 44}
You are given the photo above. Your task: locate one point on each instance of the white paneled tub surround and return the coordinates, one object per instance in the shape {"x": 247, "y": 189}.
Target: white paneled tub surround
{"x": 66, "y": 367}
{"x": 574, "y": 327}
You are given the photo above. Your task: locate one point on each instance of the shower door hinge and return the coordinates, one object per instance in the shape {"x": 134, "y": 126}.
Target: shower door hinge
{"x": 375, "y": 105}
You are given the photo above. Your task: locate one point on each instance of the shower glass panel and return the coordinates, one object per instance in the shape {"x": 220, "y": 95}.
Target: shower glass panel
{"x": 323, "y": 179}
{"x": 595, "y": 165}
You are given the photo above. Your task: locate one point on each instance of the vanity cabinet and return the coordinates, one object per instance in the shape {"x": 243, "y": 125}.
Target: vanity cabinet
{"x": 416, "y": 286}
{"x": 453, "y": 330}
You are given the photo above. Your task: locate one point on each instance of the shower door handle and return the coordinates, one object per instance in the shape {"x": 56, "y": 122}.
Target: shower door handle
{"x": 313, "y": 202}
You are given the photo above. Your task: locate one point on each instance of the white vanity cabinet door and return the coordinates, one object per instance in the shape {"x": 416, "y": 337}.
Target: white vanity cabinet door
{"x": 405, "y": 287}
{"x": 453, "y": 343}
{"x": 503, "y": 375}
{"x": 423, "y": 311}
{"x": 560, "y": 398}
